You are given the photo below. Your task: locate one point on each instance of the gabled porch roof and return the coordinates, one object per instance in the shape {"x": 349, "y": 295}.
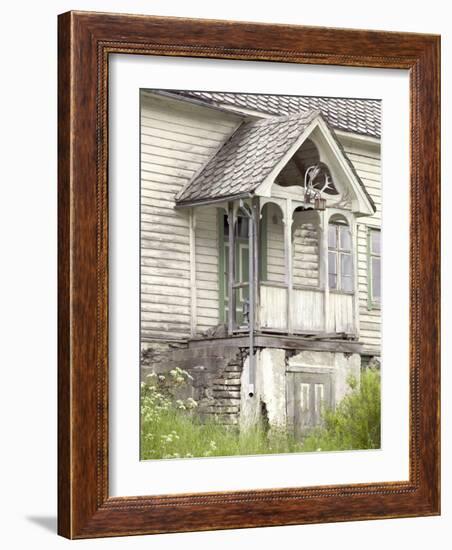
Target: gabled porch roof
{"x": 256, "y": 151}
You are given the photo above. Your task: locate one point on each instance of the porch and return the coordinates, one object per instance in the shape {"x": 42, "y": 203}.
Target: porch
{"x": 287, "y": 268}
{"x": 286, "y": 200}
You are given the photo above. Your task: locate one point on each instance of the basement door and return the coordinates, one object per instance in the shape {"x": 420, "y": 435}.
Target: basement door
{"x": 308, "y": 394}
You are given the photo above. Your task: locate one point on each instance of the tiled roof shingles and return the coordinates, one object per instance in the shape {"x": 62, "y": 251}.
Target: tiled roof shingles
{"x": 245, "y": 160}
{"x": 360, "y": 116}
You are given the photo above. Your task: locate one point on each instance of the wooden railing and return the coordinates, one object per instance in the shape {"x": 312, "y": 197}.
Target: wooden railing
{"x": 307, "y": 310}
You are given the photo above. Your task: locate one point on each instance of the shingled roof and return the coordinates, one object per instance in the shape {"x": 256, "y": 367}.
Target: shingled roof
{"x": 248, "y": 156}
{"x": 245, "y": 160}
{"x": 360, "y": 116}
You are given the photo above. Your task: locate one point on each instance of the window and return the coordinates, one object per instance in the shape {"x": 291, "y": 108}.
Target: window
{"x": 374, "y": 268}
{"x": 340, "y": 262}
{"x": 241, "y": 266}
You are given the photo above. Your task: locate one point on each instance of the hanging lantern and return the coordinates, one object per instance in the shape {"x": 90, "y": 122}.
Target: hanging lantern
{"x": 313, "y": 195}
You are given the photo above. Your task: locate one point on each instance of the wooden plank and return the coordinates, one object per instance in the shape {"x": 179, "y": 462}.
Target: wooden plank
{"x": 207, "y": 266}
{"x": 209, "y": 127}
{"x": 173, "y": 170}
{"x": 155, "y": 190}
{"x": 173, "y": 147}
{"x": 166, "y": 175}
{"x": 148, "y": 126}
{"x": 231, "y": 268}
{"x": 171, "y": 109}
{"x": 161, "y": 299}
{"x": 323, "y": 267}
{"x": 192, "y": 240}
{"x": 168, "y": 142}
{"x": 173, "y": 154}
{"x": 150, "y": 233}
{"x": 163, "y": 290}
{"x": 160, "y": 282}
{"x": 307, "y": 310}
{"x": 152, "y": 159}
{"x": 174, "y": 311}
{"x": 280, "y": 342}
{"x": 171, "y": 251}
{"x": 288, "y": 257}
{"x": 163, "y": 273}
{"x": 273, "y": 307}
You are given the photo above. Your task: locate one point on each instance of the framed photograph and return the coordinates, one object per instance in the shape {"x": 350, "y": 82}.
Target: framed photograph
{"x": 248, "y": 275}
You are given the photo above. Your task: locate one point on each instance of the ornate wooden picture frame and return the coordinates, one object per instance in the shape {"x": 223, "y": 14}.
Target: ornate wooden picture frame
{"x": 86, "y": 40}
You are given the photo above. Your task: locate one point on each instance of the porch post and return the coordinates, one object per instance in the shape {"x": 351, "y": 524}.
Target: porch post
{"x": 193, "y": 293}
{"x": 289, "y": 262}
{"x": 354, "y": 232}
{"x": 231, "y": 269}
{"x": 324, "y": 268}
{"x": 257, "y": 237}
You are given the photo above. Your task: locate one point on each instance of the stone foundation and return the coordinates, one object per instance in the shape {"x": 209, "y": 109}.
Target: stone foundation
{"x": 271, "y": 390}
{"x": 220, "y": 378}
{"x": 216, "y": 374}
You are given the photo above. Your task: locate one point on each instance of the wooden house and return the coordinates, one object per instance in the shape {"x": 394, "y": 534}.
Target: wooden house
{"x": 260, "y": 248}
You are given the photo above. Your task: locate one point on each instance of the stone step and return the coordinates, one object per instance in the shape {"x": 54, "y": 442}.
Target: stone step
{"x": 226, "y": 382}
{"x": 228, "y": 394}
{"x": 233, "y": 368}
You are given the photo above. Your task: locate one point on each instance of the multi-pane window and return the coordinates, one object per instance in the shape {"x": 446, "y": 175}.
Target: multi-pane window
{"x": 340, "y": 261}
{"x": 241, "y": 266}
{"x": 374, "y": 267}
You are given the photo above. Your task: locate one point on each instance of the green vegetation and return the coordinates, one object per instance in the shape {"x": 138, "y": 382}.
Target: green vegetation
{"x": 170, "y": 427}
{"x": 355, "y": 423}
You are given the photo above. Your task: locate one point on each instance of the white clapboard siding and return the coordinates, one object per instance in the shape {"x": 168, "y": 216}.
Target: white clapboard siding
{"x": 177, "y": 139}
{"x": 340, "y": 313}
{"x": 273, "y": 307}
{"x": 370, "y": 319}
{"x": 206, "y": 259}
{"x": 275, "y": 245}
{"x": 307, "y": 310}
{"x": 367, "y": 162}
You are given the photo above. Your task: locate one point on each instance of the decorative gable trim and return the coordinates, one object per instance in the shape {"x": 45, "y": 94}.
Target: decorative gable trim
{"x": 332, "y": 153}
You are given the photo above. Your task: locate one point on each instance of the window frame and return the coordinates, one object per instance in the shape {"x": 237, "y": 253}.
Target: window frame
{"x": 371, "y": 302}
{"x": 223, "y": 244}
{"x": 339, "y": 252}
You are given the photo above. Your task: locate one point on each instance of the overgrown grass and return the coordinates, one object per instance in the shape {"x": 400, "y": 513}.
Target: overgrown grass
{"x": 355, "y": 423}
{"x": 170, "y": 427}
{"x": 182, "y": 436}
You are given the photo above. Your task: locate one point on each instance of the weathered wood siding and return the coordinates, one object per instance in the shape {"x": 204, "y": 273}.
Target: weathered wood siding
{"x": 307, "y": 310}
{"x": 273, "y": 311}
{"x": 366, "y": 159}
{"x": 177, "y": 139}
{"x": 340, "y": 313}
{"x": 276, "y": 269}
{"x": 207, "y": 268}
{"x": 305, "y": 249}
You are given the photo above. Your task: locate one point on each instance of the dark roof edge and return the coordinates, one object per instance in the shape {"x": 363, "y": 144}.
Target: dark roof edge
{"x": 201, "y": 202}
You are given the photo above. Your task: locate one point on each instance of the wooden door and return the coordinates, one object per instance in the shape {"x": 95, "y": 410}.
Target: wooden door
{"x": 307, "y": 396}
